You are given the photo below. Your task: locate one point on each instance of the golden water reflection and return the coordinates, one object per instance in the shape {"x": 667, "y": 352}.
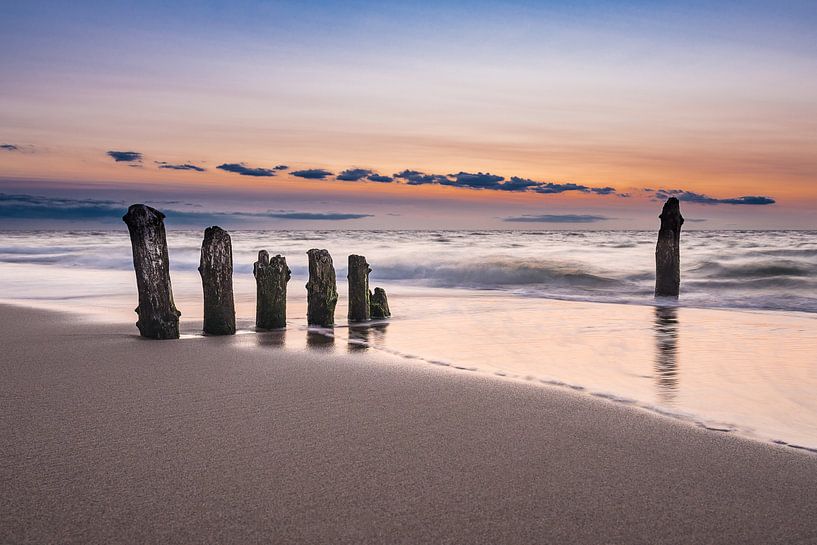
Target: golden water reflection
{"x": 666, "y": 354}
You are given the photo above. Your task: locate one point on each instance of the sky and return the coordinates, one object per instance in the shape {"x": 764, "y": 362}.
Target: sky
{"x": 409, "y": 115}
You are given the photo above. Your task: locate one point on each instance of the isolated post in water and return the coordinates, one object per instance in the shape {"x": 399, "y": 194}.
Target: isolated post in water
{"x": 359, "y": 295}
{"x": 668, "y": 250}
{"x": 216, "y": 269}
{"x": 158, "y": 317}
{"x": 321, "y": 289}
{"x": 380, "y": 304}
{"x": 271, "y": 277}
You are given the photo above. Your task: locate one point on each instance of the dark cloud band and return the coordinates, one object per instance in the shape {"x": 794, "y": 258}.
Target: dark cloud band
{"x": 184, "y": 166}
{"x": 556, "y": 218}
{"x": 125, "y": 156}
{"x": 244, "y": 170}
{"x": 691, "y": 197}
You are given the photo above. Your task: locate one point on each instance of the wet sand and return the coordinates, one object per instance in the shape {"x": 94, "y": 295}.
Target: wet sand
{"x": 107, "y": 438}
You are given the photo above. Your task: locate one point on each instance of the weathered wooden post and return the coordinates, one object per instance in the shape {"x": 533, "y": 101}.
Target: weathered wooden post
{"x": 359, "y": 294}
{"x": 322, "y": 292}
{"x": 158, "y": 317}
{"x": 668, "y": 250}
{"x": 271, "y": 277}
{"x": 216, "y": 269}
{"x": 379, "y": 304}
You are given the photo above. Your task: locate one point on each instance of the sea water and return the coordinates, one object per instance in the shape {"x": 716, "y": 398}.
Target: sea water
{"x": 737, "y": 352}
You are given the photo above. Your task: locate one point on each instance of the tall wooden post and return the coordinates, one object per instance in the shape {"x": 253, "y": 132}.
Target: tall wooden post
{"x": 668, "y": 251}
{"x": 322, "y": 291}
{"x": 158, "y": 317}
{"x": 271, "y": 277}
{"x": 358, "y": 276}
{"x": 216, "y": 269}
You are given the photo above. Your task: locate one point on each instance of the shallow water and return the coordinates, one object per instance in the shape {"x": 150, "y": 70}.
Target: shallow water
{"x": 521, "y": 305}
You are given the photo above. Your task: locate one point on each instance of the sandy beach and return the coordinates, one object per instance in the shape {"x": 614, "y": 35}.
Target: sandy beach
{"x": 108, "y": 438}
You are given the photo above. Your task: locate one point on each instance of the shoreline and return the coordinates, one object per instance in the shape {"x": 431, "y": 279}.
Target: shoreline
{"x": 111, "y": 438}
{"x": 343, "y": 332}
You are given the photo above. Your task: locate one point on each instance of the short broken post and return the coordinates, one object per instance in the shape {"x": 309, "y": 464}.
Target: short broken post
{"x": 379, "y": 304}
{"x": 359, "y": 294}
{"x": 322, "y": 292}
{"x": 668, "y": 251}
{"x": 271, "y": 277}
{"x": 158, "y": 317}
{"x": 216, "y": 269}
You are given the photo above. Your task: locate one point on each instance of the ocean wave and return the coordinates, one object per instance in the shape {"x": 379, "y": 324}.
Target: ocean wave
{"x": 756, "y": 269}
{"x": 492, "y": 273}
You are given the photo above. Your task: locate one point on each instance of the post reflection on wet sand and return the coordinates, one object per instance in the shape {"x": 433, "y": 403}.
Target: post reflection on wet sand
{"x": 273, "y": 338}
{"x": 322, "y": 339}
{"x": 666, "y": 355}
{"x": 362, "y": 337}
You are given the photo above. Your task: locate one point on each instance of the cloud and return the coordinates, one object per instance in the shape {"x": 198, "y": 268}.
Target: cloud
{"x": 555, "y": 218}
{"x": 280, "y": 167}
{"x": 184, "y": 166}
{"x": 519, "y": 184}
{"x": 353, "y": 174}
{"x": 9, "y": 147}
{"x": 312, "y": 173}
{"x": 487, "y": 181}
{"x": 125, "y": 156}
{"x": 40, "y": 208}
{"x": 244, "y": 170}
{"x": 379, "y": 178}
{"x": 698, "y": 198}
{"x": 414, "y": 177}
{"x": 479, "y": 180}
{"x": 331, "y": 216}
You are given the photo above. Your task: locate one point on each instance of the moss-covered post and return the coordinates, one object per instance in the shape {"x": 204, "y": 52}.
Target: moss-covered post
{"x": 359, "y": 294}
{"x": 158, "y": 317}
{"x": 668, "y": 250}
{"x": 271, "y": 277}
{"x": 216, "y": 269}
{"x": 379, "y": 304}
{"x": 321, "y": 289}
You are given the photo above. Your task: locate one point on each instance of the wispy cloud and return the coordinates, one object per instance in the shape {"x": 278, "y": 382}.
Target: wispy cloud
{"x": 691, "y": 197}
{"x": 312, "y": 173}
{"x": 555, "y": 218}
{"x": 125, "y": 156}
{"x": 183, "y": 166}
{"x": 9, "y": 147}
{"x": 244, "y": 170}
{"x": 280, "y": 167}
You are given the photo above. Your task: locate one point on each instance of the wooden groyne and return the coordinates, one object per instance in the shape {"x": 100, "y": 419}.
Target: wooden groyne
{"x": 271, "y": 277}
{"x": 216, "y": 269}
{"x": 321, "y": 289}
{"x": 668, "y": 251}
{"x": 158, "y": 317}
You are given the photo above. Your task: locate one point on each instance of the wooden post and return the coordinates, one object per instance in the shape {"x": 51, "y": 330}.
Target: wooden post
{"x": 668, "y": 250}
{"x": 359, "y": 294}
{"x": 158, "y": 317}
{"x": 271, "y": 277}
{"x": 322, "y": 292}
{"x": 380, "y": 304}
{"x": 216, "y": 268}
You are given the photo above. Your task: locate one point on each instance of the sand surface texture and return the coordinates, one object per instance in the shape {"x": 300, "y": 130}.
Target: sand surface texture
{"x": 107, "y": 438}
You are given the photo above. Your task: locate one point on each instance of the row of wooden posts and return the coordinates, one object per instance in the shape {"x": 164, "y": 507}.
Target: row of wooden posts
{"x": 159, "y": 318}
